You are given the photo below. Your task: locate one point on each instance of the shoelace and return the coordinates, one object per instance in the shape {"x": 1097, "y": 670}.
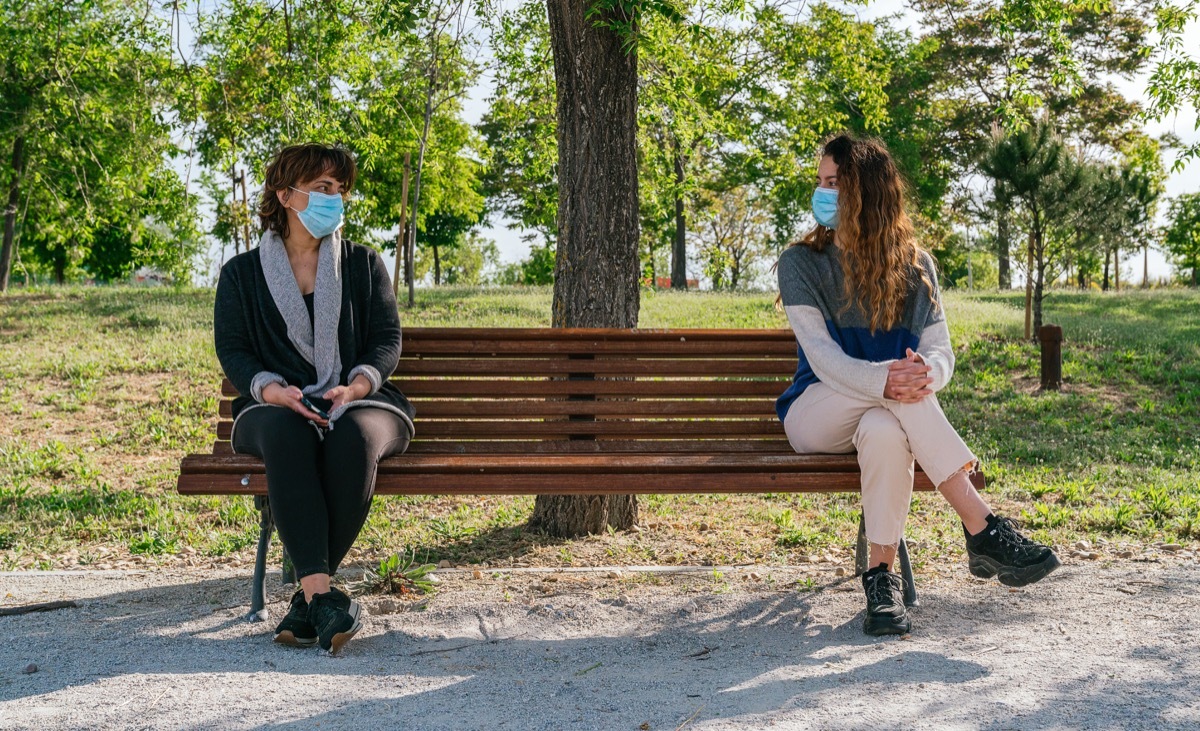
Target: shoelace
{"x": 882, "y": 587}
{"x": 1006, "y": 531}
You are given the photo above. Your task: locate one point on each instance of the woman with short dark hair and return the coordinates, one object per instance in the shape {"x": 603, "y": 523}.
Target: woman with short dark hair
{"x": 307, "y": 330}
{"x": 863, "y": 300}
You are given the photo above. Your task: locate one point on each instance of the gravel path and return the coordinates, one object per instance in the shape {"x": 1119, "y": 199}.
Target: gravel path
{"x": 1090, "y": 648}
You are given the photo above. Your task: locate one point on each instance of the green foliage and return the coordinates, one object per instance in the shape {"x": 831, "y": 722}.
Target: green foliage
{"x": 1182, "y": 235}
{"x": 364, "y": 74}
{"x": 401, "y": 574}
{"x": 85, "y": 96}
{"x": 472, "y": 261}
{"x": 520, "y": 126}
{"x": 1174, "y": 83}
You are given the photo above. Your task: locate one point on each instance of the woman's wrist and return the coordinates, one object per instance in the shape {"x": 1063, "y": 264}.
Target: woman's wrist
{"x": 360, "y": 387}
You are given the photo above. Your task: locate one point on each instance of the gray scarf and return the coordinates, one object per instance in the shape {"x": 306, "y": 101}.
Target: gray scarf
{"x": 319, "y": 348}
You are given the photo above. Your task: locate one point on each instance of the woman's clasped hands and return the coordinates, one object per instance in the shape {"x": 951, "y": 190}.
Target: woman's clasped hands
{"x": 908, "y": 379}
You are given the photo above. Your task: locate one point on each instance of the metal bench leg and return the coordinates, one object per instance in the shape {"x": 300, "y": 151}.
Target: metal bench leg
{"x": 258, "y": 590}
{"x": 910, "y": 586}
{"x": 863, "y": 552}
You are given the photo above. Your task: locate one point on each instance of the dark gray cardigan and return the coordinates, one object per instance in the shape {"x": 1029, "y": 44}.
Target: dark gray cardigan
{"x": 251, "y": 335}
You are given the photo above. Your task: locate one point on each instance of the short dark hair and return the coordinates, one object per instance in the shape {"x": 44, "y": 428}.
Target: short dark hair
{"x": 296, "y": 165}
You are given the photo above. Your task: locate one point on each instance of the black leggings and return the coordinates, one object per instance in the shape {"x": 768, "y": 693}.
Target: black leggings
{"x": 320, "y": 491}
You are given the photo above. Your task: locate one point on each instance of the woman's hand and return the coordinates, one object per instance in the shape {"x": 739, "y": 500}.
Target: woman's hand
{"x": 289, "y": 397}
{"x": 908, "y": 379}
{"x": 341, "y": 395}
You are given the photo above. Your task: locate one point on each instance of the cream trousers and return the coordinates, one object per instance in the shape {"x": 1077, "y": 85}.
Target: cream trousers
{"x": 887, "y": 436}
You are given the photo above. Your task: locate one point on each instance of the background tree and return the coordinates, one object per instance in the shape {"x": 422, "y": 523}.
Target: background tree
{"x": 735, "y": 235}
{"x": 1007, "y": 62}
{"x": 1042, "y": 173}
{"x": 84, "y": 93}
{"x": 1181, "y": 238}
{"x": 596, "y": 262}
{"x": 520, "y": 125}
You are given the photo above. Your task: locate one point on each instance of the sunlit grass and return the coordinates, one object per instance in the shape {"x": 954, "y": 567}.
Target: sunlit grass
{"x": 103, "y": 390}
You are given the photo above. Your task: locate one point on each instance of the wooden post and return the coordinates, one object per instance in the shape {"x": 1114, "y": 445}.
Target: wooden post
{"x": 1051, "y": 337}
{"x": 401, "y": 239}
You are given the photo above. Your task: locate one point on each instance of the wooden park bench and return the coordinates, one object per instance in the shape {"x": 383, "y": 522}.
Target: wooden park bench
{"x": 545, "y": 411}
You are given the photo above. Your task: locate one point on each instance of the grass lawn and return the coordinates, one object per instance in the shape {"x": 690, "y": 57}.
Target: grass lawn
{"x": 104, "y": 389}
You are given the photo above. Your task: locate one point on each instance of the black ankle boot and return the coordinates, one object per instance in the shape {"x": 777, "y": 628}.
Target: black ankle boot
{"x": 295, "y": 629}
{"x": 886, "y": 614}
{"x": 1000, "y": 550}
{"x": 335, "y": 617}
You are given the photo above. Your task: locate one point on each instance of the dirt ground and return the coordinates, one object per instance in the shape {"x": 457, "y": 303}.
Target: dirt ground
{"x": 1092, "y": 647}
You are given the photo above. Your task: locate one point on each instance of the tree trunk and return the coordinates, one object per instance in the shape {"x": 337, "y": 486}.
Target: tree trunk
{"x": 596, "y": 266}
{"x": 1117, "y": 268}
{"x": 412, "y": 239}
{"x": 1104, "y": 284}
{"x": 1002, "y": 234}
{"x": 1029, "y": 288}
{"x": 1039, "y": 291}
{"x": 10, "y": 212}
{"x": 679, "y": 247}
{"x": 1146, "y": 266}
{"x": 437, "y": 267}
{"x": 401, "y": 237}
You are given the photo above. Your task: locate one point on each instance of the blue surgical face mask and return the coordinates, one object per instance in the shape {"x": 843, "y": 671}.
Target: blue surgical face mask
{"x": 824, "y": 206}
{"x": 323, "y": 215}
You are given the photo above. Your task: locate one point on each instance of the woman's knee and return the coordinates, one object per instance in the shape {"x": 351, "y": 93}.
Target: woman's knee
{"x": 372, "y": 433}
{"x": 269, "y": 429}
{"x": 880, "y": 429}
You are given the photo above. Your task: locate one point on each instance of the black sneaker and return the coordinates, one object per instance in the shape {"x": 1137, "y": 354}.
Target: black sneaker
{"x": 335, "y": 617}
{"x": 886, "y": 614}
{"x": 999, "y": 550}
{"x": 295, "y": 629}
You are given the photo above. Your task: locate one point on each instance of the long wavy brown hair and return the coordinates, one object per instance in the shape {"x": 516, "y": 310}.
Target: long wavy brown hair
{"x": 880, "y": 256}
{"x": 296, "y": 165}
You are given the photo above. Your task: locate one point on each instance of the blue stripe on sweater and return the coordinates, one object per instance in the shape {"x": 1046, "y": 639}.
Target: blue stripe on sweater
{"x": 856, "y": 342}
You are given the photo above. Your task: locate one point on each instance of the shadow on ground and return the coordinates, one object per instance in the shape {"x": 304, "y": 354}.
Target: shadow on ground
{"x": 180, "y": 656}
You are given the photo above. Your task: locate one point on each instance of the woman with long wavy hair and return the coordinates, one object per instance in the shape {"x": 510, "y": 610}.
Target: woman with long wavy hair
{"x": 874, "y": 349}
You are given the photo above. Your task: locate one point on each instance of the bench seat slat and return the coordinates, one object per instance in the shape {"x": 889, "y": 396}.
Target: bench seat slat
{"x": 560, "y": 464}
{"x": 531, "y": 484}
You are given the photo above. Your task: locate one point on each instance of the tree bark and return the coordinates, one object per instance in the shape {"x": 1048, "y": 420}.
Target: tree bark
{"x": 679, "y": 246}
{"x": 596, "y": 264}
{"x": 1002, "y": 243}
{"x": 437, "y": 267}
{"x": 10, "y": 212}
{"x": 1029, "y": 287}
{"x": 402, "y": 261}
{"x": 412, "y": 239}
{"x": 1104, "y": 284}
